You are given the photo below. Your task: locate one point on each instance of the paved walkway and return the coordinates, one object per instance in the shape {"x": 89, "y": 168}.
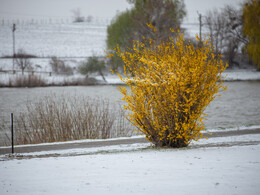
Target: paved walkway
{"x": 64, "y": 146}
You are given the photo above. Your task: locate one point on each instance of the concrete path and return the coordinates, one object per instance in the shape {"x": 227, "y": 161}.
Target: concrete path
{"x": 64, "y": 146}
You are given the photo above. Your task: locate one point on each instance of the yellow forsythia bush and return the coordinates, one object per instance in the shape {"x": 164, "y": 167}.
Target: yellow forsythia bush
{"x": 170, "y": 86}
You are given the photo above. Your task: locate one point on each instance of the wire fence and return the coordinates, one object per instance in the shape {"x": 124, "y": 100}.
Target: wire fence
{"x": 27, "y": 21}
{"x": 29, "y": 72}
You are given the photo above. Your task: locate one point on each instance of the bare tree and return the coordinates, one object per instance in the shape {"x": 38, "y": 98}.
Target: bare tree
{"x": 22, "y": 60}
{"x": 235, "y": 41}
{"x": 60, "y": 67}
{"x": 215, "y": 22}
{"x": 89, "y": 19}
{"x": 225, "y": 29}
{"x": 77, "y": 15}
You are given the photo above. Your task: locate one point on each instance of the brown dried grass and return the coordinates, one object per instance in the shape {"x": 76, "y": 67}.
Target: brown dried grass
{"x": 55, "y": 119}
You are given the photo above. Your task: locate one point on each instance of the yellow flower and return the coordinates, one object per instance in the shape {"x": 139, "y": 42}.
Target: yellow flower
{"x": 172, "y": 84}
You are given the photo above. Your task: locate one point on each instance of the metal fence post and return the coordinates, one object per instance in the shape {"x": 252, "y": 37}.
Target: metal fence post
{"x": 12, "y": 131}
{"x": 14, "y": 28}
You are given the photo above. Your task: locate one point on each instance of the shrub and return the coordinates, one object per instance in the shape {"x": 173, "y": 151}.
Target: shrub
{"x": 94, "y": 64}
{"x": 172, "y": 85}
{"x": 22, "y": 60}
{"x": 58, "y": 66}
{"x": 26, "y": 81}
{"x": 77, "y": 15}
{"x": 62, "y": 118}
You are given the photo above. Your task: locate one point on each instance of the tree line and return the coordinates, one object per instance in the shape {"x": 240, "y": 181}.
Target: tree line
{"x": 234, "y": 32}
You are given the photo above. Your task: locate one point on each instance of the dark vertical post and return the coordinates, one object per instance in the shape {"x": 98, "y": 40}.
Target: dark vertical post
{"x": 12, "y": 131}
{"x": 200, "y": 26}
{"x": 14, "y": 28}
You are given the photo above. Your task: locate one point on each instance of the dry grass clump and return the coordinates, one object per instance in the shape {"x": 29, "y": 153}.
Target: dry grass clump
{"x": 67, "y": 118}
{"x": 60, "y": 67}
{"x": 26, "y": 81}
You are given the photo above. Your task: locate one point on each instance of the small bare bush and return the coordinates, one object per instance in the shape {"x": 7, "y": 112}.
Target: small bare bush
{"x": 77, "y": 15}
{"x": 59, "y": 67}
{"x": 26, "y": 81}
{"x": 55, "y": 119}
{"x": 22, "y": 60}
{"x": 94, "y": 64}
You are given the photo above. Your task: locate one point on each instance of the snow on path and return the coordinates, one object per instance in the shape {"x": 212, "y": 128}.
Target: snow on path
{"x": 232, "y": 137}
{"x": 228, "y": 170}
{"x": 139, "y": 169}
{"x": 229, "y": 137}
{"x": 241, "y": 75}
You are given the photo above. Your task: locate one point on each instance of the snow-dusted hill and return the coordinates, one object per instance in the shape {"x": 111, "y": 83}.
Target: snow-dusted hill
{"x": 61, "y": 40}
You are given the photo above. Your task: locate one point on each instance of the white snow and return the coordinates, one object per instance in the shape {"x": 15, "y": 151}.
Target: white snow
{"x": 75, "y": 42}
{"x": 139, "y": 136}
{"x": 231, "y": 75}
{"x": 126, "y": 169}
{"x": 241, "y": 75}
{"x": 233, "y": 129}
{"x": 128, "y": 147}
{"x": 79, "y": 141}
{"x": 228, "y": 75}
{"x": 61, "y": 40}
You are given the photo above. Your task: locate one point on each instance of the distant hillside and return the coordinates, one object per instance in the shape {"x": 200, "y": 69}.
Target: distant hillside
{"x": 61, "y": 40}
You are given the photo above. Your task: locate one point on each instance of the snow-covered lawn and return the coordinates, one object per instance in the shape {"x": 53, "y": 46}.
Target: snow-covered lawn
{"x": 241, "y": 75}
{"x": 61, "y": 40}
{"x": 139, "y": 169}
{"x": 230, "y": 75}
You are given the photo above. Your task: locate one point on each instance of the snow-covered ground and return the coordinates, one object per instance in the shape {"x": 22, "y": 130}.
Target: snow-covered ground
{"x": 73, "y": 43}
{"x": 61, "y": 40}
{"x": 241, "y": 75}
{"x": 139, "y": 169}
{"x": 229, "y": 75}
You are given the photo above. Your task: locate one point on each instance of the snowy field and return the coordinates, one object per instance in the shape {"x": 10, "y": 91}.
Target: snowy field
{"x": 229, "y": 75}
{"x": 205, "y": 167}
{"x": 61, "y": 40}
{"x": 73, "y": 43}
{"x": 241, "y": 75}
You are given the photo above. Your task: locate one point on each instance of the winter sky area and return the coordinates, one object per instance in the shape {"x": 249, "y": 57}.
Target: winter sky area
{"x": 95, "y": 8}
